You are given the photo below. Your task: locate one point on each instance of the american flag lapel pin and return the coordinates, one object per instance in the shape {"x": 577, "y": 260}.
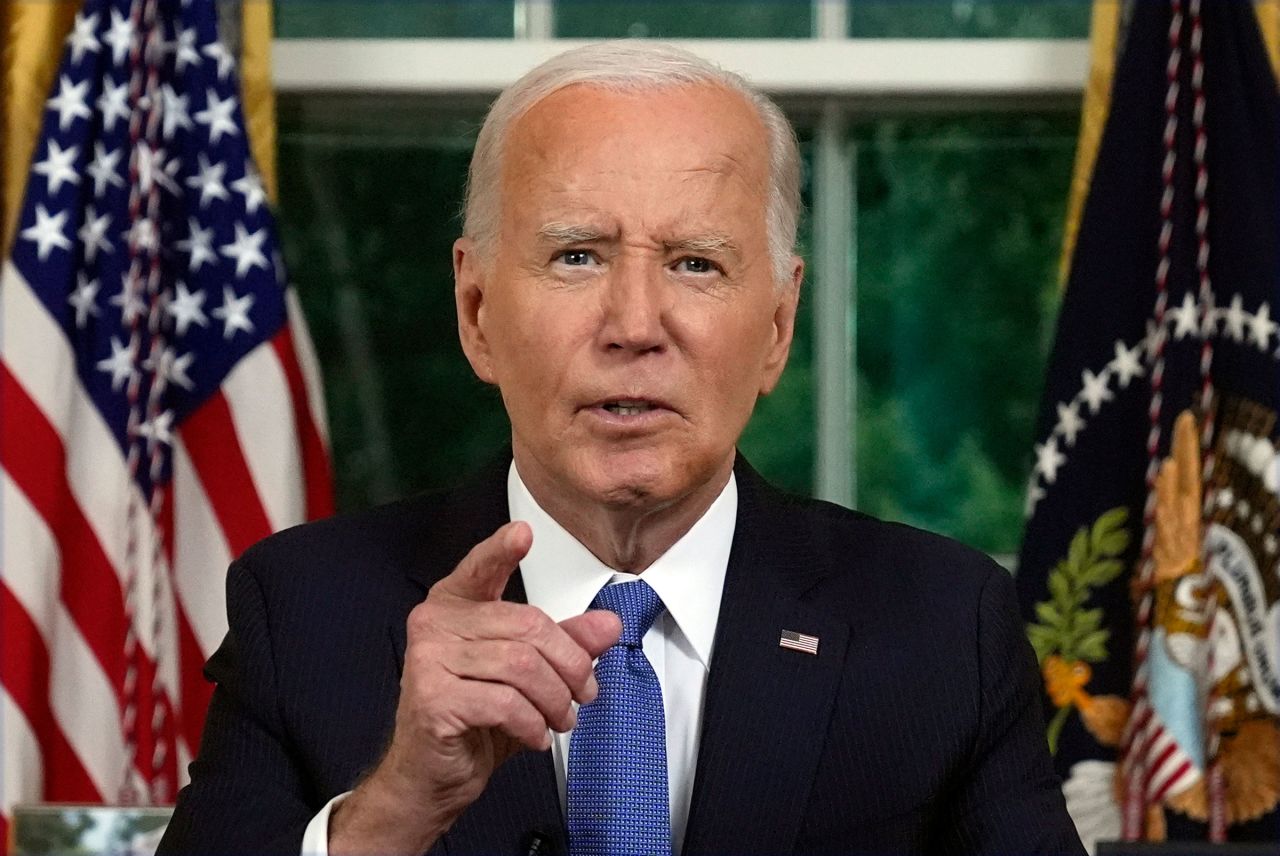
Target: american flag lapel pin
{"x": 798, "y": 642}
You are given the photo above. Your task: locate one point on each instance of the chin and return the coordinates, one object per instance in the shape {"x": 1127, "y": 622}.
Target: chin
{"x": 641, "y": 478}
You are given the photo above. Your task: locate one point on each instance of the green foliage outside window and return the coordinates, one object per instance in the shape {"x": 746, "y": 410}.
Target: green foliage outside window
{"x": 399, "y": 19}
{"x": 971, "y": 19}
{"x": 664, "y": 19}
{"x": 959, "y": 221}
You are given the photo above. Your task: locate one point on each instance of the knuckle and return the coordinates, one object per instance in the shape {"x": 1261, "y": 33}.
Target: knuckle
{"x": 521, "y": 659}
{"x": 527, "y": 623}
{"x": 508, "y": 702}
{"x": 578, "y": 664}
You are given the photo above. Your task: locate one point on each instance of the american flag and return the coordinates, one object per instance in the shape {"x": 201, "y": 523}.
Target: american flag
{"x": 798, "y": 642}
{"x": 160, "y": 402}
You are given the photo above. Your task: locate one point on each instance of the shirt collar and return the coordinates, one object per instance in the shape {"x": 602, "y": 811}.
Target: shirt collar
{"x": 561, "y": 576}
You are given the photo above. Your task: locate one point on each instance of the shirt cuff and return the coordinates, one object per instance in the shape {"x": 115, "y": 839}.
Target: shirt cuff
{"x": 315, "y": 841}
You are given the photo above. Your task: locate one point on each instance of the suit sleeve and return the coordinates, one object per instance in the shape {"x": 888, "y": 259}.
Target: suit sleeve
{"x": 247, "y": 793}
{"x": 1010, "y": 799}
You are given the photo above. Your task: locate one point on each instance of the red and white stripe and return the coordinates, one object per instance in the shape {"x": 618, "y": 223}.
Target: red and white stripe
{"x": 249, "y": 461}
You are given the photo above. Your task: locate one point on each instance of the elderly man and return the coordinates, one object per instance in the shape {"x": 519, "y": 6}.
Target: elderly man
{"x": 772, "y": 675}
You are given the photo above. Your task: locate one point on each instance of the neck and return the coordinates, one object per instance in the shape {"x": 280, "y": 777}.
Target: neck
{"x": 626, "y": 538}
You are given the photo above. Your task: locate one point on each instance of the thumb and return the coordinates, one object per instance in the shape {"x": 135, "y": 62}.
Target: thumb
{"x": 483, "y": 573}
{"x": 595, "y": 631}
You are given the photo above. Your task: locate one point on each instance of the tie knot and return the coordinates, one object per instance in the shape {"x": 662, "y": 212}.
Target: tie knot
{"x": 636, "y": 604}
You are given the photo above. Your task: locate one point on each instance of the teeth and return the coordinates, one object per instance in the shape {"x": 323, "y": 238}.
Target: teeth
{"x": 627, "y": 408}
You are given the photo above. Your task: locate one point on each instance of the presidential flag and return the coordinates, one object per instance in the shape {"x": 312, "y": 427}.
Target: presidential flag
{"x": 1149, "y": 573}
{"x": 159, "y": 406}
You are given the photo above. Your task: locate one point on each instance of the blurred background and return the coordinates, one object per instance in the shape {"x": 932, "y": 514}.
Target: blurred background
{"x": 936, "y": 181}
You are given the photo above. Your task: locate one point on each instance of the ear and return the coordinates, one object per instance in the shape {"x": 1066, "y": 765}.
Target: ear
{"x": 784, "y": 328}
{"x": 468, "y": 297}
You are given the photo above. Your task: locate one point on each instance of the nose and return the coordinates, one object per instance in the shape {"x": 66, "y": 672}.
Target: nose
{"x": 635, "y": 308}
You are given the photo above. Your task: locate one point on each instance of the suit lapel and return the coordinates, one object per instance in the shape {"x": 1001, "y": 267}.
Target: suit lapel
{"x": 521, "y": 800}
{"x": 767, "y": 708}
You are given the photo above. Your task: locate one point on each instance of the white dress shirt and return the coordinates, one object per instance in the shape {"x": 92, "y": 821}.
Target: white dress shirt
{"x": 561, "y": 577}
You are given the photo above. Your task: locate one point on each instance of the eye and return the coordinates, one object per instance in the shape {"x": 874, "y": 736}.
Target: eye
{"x": 575, "y": 258}
{"x": 696, "y": 264}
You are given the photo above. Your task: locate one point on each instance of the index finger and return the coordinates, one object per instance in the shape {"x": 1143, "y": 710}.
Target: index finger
{"x": 483, "y": 573}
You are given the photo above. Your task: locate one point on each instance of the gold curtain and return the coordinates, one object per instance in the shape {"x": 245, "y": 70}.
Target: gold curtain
{"x": 255, "y": 83}
{"x": 31, "y": 34}
{"x": 1104, "y": 29}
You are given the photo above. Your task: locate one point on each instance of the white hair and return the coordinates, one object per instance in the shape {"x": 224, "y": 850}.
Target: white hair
{"x": 631, "y": 66}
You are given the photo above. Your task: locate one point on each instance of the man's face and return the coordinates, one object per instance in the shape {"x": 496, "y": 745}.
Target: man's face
{"x": 629, "y": 314}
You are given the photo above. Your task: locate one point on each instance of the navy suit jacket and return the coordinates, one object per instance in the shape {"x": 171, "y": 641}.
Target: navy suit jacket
{"x": 915, "y": 729}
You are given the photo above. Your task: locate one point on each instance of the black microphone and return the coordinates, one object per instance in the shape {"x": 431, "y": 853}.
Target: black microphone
{"x": 538, "y": 842}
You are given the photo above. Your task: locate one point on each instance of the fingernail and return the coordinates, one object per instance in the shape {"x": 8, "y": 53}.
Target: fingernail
{"x": 593, "y": 688}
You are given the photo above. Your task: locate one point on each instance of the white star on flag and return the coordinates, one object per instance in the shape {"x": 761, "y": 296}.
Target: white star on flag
{"x": 70, "y": 102}
{"x": 174, "y": 112}
{"x": 1069, "y": 422}
{"x": 93, "y": 234}
{"x": 143, "y": 236}
{"x": 215, "y": 51}
{"x": 47, "y": 232}
{"x": 218, "y": 116}
{"x": 246, "y": 249}
{"x": 1048, "y": 459}
{"x": 113, "y": 102}
{"x": 186, "y": 50}
{"x": 82, "y": 37}
{"x": 1095, "y": 389}
{"x": 1126, "y": 364}
{"x": 199, "y": 244}
{"x": 1261, "y": 327}
{"x": 1234, "y": 318}
{"x": 250, "y": 186}
{"x": 172, "y": 367}
{"x": 57, "y": 166}
{"x": 1186, "y": 316}
{"x": 186, "y": 309}
{"x": 119, "y": 365}
{"x": 103, "y": 169}
{"x": 157, "y": 430}
{"x": 119, "y": 36}
{"x": 153, "y": 169}
{"x": 84, "y": 299}
{"x": 209, "y": 181}
{"x": 234, "y": 312}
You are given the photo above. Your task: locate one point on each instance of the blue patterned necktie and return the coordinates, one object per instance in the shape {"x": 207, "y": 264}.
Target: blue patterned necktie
{"x": 617, "y": 777}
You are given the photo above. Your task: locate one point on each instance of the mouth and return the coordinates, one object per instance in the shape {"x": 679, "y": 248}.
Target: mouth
{"x": 626, "y": 410}
{"x": 628, "y": 407}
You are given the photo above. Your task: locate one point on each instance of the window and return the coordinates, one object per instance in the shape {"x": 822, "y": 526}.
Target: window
{"x": 940, "y": 212}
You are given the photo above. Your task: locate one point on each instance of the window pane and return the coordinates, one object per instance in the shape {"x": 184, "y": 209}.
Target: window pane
{"x": 370, "y": 188}
{"x": 1009, "y": 19}
{"x": 959, "y": 224}
{"x": 352, "y": 19}
{"x": 710, "y": 19}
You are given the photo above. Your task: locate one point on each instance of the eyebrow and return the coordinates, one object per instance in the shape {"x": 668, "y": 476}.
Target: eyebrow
{"x": 560, "y": 233}
{"x": 712, "y": 244}
{"x": 570, "y": 233}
